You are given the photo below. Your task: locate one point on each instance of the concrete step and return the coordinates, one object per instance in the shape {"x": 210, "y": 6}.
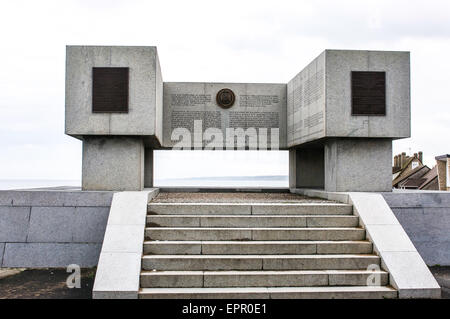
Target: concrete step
{"x": 251, "y": 221}
{"x": 355, "y": 292}
{"x": 256, "y": 247}
{"x": 258, "y": 262}
{"x": 211, "y": 279}
{"x": 249, "y": 209}
{"x": 203, "y": 233}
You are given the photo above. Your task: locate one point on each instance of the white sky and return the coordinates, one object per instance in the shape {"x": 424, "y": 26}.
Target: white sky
{"x": 236, "y": 41}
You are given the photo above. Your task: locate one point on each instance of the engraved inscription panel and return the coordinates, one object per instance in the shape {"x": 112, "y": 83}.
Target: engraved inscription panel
{"x": 368, "y": 93}
{"x": 255, "y": 106}
{"x": 110, "y": 90}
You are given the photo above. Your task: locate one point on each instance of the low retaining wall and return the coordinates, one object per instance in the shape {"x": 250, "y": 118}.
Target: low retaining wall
{"x": 425, "y": 216}
{"x": 52, "y": 228}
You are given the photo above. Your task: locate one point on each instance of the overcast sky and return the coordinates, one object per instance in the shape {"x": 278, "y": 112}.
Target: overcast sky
{"x": 236, "y": 41}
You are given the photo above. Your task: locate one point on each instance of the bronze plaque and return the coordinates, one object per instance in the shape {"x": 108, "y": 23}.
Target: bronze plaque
{"x": 368, "y": 93}
{"x": 110, "y": 90}
{"x": 225, "y": 98}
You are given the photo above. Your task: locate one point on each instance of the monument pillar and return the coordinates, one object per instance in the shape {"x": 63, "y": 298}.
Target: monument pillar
{"x": 148, "y": 168}
{"x": 113, "y": 163}
{"x": 363, "y": 165}
{"x": 306, "y": 168}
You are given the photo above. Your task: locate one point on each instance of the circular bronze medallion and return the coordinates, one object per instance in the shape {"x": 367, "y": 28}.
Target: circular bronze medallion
{"x": 225, "y": 98}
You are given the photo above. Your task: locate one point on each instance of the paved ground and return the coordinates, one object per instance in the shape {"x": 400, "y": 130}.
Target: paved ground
{"x": 51, "y": 283}
{"x": 43, "y": 284}
{"x": 235, "y": 198}
{"x": 442, "y": 275}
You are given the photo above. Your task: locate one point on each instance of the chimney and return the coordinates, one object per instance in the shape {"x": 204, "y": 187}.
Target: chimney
{"x": 396, "y": 161}
{"x": 402, "y": 159}
{"x": 415, "y": 155}
{"x": 421, "y": 157}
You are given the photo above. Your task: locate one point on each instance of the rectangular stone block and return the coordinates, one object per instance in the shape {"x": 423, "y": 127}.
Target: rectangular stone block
{"x": 172, "y": 248}
{"x": 309, "y": 234}
{"x": 39, "y": 197}
{"x": 333, "y": 293}
{"x": 204, "y": 293}
{"x": 358, "y": 165}
{"x": 320, "y": 262}
{"x": 117, "y": 276}
{"x": 144, "y": 115}
{"x": 339, "y": 120}
{"x": 258, "y": 248}
{"x": 123, "y": 238}
{"x": 113, "y": 163}
{"x": 14, "y": 223}
{"x": 257, "y": 105}
{"x": 166, "y": 279}
{"x": 44, "y": 255}
{"x": 200, "y": 209}
{"x": 201, "y": 262}
{"x": 410, "y": 275}
{"x": 51, "y": 225}
{"x": 301, "y": 209}
{"x": 90, "y": 224}
{"x": 198, "y": 234}
{"x": 264, "y": 279}
{"x": 355, "y": 247}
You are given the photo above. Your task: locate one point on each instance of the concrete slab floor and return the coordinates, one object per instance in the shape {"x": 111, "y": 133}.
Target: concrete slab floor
{"x": 238, "y": 197}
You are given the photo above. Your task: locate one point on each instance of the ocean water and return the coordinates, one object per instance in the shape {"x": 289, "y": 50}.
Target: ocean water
{"x": 6, "y": 184}
{"x": 213, "y": 181}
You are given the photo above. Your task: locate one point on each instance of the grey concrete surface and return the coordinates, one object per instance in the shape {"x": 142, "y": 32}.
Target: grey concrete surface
{"x": 119, "y": 265}
{"x": 425, "y": 216}
{"x": 44, "y": 255}
{"x": 145, "y": 91}
{"x": 408, "y": 272}
{"x": 339, "y": 121}
{"x": 306, "y": 168}
{"x": 14, "y": 223}
{"x": 52, "y": 227}
{"x": 257, "y": 105}
{"x": 113, "y": 163}
{"x": 358, "y": 165}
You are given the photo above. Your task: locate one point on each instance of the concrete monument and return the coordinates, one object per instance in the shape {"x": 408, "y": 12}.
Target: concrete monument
{"x": 337, "y": 117}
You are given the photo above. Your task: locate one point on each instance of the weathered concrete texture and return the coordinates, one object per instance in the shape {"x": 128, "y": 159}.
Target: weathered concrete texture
{"x": 55, "y": 198}
{"x": 257, "y": 105}
{"x": 53, "y": 228}
{"x": 37, "y": 255}
{"x": 120, "y": 259}
{"x": 148, "y": 168}
{"x": 359, "y": 165}
{"x": 145, "y": 91}
{"x": 425, "y": 216}
{"x": 339, "y": 121}
{"x": 306, "y": 168}
{"x": 306, "y": 103}
{"x": 407, "y": 270}
{"x": 113, "y": 163}
{"x": 14, "y": 223}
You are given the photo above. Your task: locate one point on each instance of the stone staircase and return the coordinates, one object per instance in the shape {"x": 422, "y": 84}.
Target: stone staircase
{"x": 261, "y": 250}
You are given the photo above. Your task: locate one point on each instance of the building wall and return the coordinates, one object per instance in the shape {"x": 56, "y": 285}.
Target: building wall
{"x": 52, "y": 228}
{"x": 425, "y": 216}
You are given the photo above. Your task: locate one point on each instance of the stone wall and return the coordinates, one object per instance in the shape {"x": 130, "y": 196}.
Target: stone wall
{"x": 425, "y": 216}
{"x": 52, "y": 228}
